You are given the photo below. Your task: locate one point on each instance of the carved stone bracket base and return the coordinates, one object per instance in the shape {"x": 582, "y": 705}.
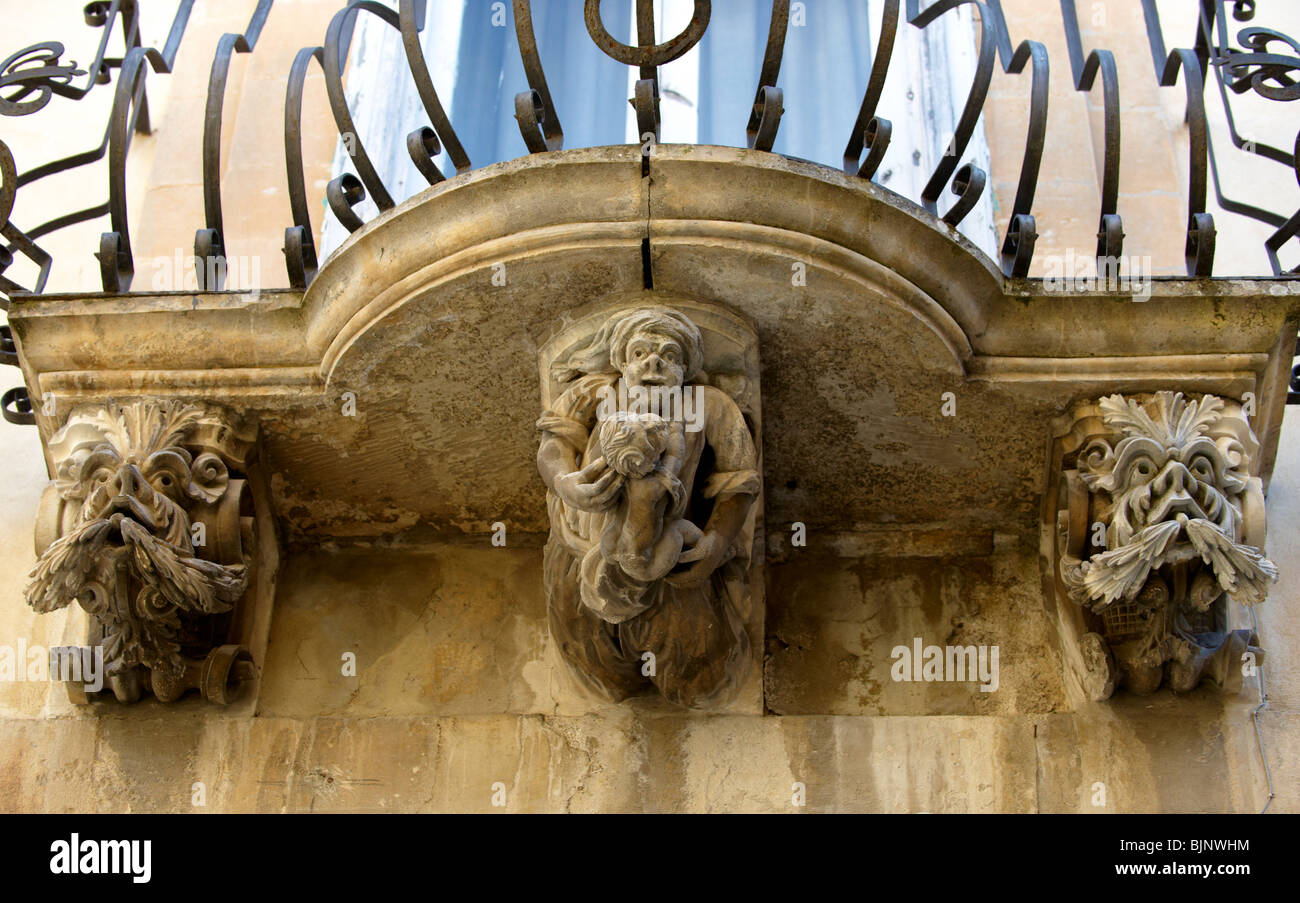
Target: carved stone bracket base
{"x": 158, "y": 525}
{"x": 650, "y": 438}
{"x": 1154, "y": 535}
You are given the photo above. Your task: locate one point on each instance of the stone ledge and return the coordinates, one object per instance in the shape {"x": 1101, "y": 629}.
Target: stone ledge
{"x": 1149, "y": 761}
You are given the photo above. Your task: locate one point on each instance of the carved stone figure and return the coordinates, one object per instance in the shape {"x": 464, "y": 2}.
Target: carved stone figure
{"x": 151, "y": 541}
{"x": 1168, "y": 479}
{"x": 651, "y": 476}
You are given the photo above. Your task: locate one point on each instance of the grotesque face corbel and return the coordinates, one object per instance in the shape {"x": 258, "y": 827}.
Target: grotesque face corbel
{"x": 1162, "y": 530}
{"x": 147, "y": 530}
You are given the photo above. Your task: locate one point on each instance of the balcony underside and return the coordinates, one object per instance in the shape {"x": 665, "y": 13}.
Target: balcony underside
{"x": 896, "y": 309}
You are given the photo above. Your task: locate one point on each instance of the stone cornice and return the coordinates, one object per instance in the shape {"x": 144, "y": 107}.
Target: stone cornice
{"x": 412, "y": 292}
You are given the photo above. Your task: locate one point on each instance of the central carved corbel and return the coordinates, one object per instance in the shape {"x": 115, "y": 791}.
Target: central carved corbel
{"x": 1159, "y": 541}
{"x": 653, "y": 488}
{"x": 149, "y": 526}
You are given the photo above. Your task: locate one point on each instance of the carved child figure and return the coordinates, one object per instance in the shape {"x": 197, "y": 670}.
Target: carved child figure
{"x": 643, "y": 538}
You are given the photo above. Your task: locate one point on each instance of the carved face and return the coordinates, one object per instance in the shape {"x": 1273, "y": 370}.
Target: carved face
{"x": 1166, "y": 466}
{"x": 632, "y": 444}
{"x": 129, "y": 559}
{"x": 147, "y": 489}
{"x": 653, "y": 359}
{"x": 1173, "y": 488}
{"x": 1175, "y": 481}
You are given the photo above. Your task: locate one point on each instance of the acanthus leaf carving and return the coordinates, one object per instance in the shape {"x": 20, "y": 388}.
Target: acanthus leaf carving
{"x": 133, "y": 480}
{"x": 1168, "y": 478}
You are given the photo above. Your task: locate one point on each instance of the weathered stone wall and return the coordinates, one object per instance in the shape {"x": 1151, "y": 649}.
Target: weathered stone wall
{"x": 455, "y": 691}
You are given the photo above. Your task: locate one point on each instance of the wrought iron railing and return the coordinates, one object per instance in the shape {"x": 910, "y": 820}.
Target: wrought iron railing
{"x": 30, "y": 78}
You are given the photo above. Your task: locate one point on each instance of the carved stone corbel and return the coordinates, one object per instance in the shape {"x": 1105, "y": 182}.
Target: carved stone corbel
{"x": 649, "y": 452}
{"x": 1159, "y": 532}
{"x": 150, "y": 525}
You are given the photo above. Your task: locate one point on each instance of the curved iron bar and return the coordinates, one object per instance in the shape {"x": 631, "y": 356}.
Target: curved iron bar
{"x": 534, "y": 109}
{"x": 422, "y": 144}
{"x": 970, "y": 112}
{"x": 1238, "y": 64}
{"x": 51, "y": 78}
{"x": 18, "y": 240}
{"x": 16, "y": 407}
{"x": 1226, "y": 57}
{"x": 210, "y": 241}
{"x": 645, "y": 101}
{"x": 299, "y": 246}
{"x": 411, "y": 15}
{"x": 1199, "y": 250}
{"x": 968, "y": 184}
{"x": 8, "y": 350}
{"x": 98, "y": 14}
{"x": 872, "y": 133}
{"x": 765, "y": 117}
{"x": 1022, "y": 231}
{"x": 1268, "y": 67}
{"x": 336, "y": 51}
{"x": 645, "y": 93}
{"x": 530, "y": 113}
{"x": 1110, "y": 227}
{"x": 16, "y": 70}
{"x": 95, "y": 17}
{"x": 649, "y": 56}
{"x": 116, "y": 265}
{"x": 344, "y": 192}
{"x": 875, "y": 139}
{"x": 646, "y": 56}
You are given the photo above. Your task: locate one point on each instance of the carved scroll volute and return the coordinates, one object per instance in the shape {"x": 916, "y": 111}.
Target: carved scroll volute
{"x": 1159, "y": 541}
{"x": 649, "y": 453}
{"x": 149, "y": 526}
